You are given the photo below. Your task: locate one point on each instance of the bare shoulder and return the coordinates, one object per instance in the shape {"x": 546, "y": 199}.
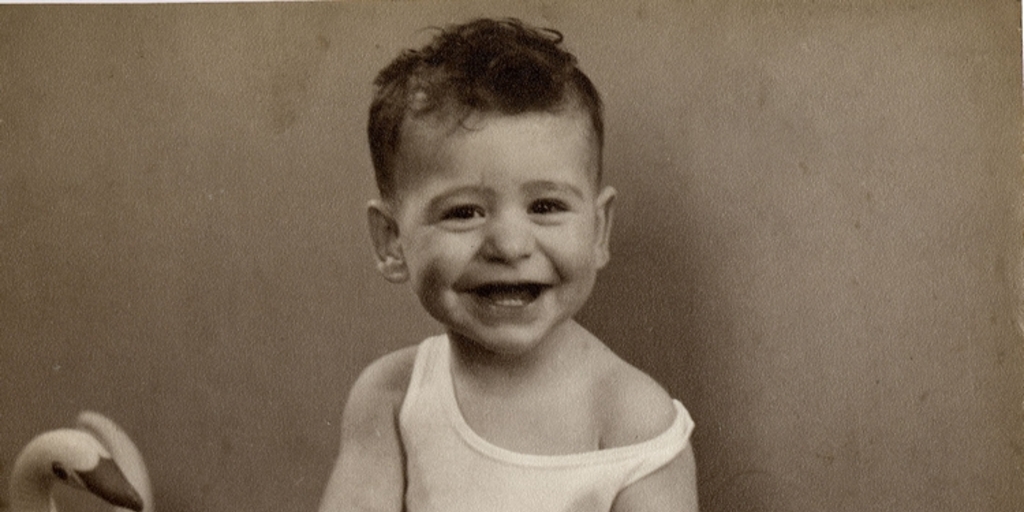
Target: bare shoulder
{"x": 392, "y": 371}
{"x": 381, "y": 385}
{"x": 633, "y": 407}
{"x": 368, "y": 472}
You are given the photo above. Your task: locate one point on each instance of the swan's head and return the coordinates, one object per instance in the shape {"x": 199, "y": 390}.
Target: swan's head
{"x": 75, "y": 458}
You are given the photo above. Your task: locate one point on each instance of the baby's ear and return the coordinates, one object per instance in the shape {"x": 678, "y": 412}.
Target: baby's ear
{"x": 605, "y": 207}
{"x": 386, "y": 245}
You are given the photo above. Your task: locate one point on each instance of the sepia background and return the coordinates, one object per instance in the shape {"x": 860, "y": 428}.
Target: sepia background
{"x": 815, "y": 245}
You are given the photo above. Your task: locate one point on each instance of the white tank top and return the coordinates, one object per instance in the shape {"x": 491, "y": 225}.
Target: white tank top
{"x": 449, "y": 468}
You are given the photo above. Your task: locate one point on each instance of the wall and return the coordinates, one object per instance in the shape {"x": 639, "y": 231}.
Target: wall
{"x": 814, "y": 247}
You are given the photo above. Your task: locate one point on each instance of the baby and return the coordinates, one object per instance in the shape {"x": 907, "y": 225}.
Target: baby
{"x": 487, "y": 150}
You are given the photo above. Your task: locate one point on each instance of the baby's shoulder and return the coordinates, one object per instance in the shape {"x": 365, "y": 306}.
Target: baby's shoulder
{"x": 632, "y": 406}
{"x": 385, "y": 380}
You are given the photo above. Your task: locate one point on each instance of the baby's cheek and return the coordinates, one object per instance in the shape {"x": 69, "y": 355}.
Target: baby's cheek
{"x": 431, "y": 280}
{"x": 572, "y": 250}
{"x": 431, "y": 286}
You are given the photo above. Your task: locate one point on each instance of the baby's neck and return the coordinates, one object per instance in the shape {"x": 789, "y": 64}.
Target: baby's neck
{"x": 550, "y": 360}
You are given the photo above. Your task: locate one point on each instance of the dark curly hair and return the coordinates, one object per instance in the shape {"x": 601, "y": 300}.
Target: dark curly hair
{"x": 487, "y": 66}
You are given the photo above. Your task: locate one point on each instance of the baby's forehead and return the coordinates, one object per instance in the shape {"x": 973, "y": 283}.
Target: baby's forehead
{"x": 429, "y": 139}
{"x": 436, "y": 129}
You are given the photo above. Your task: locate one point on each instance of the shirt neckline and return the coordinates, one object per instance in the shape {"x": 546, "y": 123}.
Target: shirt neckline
{"x": 505, "y": 455}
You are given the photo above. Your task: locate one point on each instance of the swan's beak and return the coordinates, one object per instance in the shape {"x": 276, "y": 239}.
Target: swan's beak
{"x": 108, "y": 482}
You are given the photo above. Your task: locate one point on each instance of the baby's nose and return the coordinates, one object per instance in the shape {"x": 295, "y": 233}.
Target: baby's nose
{"x": 508, "y": 238}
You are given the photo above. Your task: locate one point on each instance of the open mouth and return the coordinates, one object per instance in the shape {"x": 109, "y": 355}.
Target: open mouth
{"x": 509, "y": 294}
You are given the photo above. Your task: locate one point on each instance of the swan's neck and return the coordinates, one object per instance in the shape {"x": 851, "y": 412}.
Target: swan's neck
{"x": 31, "y": 484}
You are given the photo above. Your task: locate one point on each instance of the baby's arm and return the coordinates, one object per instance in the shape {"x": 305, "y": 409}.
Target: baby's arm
{"x": 641, "y": 409}
{"x": 369, "y": 475}
{"x": 671, "y": 488}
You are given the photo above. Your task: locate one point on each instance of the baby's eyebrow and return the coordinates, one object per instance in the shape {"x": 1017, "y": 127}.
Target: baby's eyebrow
{"x": 545, "y": 186}
{"x": 468, "y": 190}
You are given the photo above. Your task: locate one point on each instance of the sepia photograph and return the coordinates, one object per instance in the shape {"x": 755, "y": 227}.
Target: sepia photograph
{"x": 503, "y": 256}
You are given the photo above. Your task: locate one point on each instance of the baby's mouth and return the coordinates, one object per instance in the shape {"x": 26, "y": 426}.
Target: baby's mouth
{"x": 509, "y": 294}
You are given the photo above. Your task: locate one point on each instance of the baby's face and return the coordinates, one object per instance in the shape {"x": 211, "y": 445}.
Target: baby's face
{"x": 502, "y": 225}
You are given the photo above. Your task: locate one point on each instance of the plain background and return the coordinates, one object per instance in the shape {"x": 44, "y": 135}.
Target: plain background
{"x": 815, "y": 247}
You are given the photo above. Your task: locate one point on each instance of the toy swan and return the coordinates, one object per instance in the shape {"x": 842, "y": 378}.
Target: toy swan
{"x": 83, "y": 458}
{"x": 124, "y": 452}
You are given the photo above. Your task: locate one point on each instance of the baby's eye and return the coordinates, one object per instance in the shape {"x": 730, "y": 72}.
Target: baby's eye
{"x": 548, "y": 206}
{"x": 462, "y": 212}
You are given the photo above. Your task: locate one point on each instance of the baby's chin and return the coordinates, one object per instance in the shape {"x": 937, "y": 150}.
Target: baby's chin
{"x": 509, "y": 341}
